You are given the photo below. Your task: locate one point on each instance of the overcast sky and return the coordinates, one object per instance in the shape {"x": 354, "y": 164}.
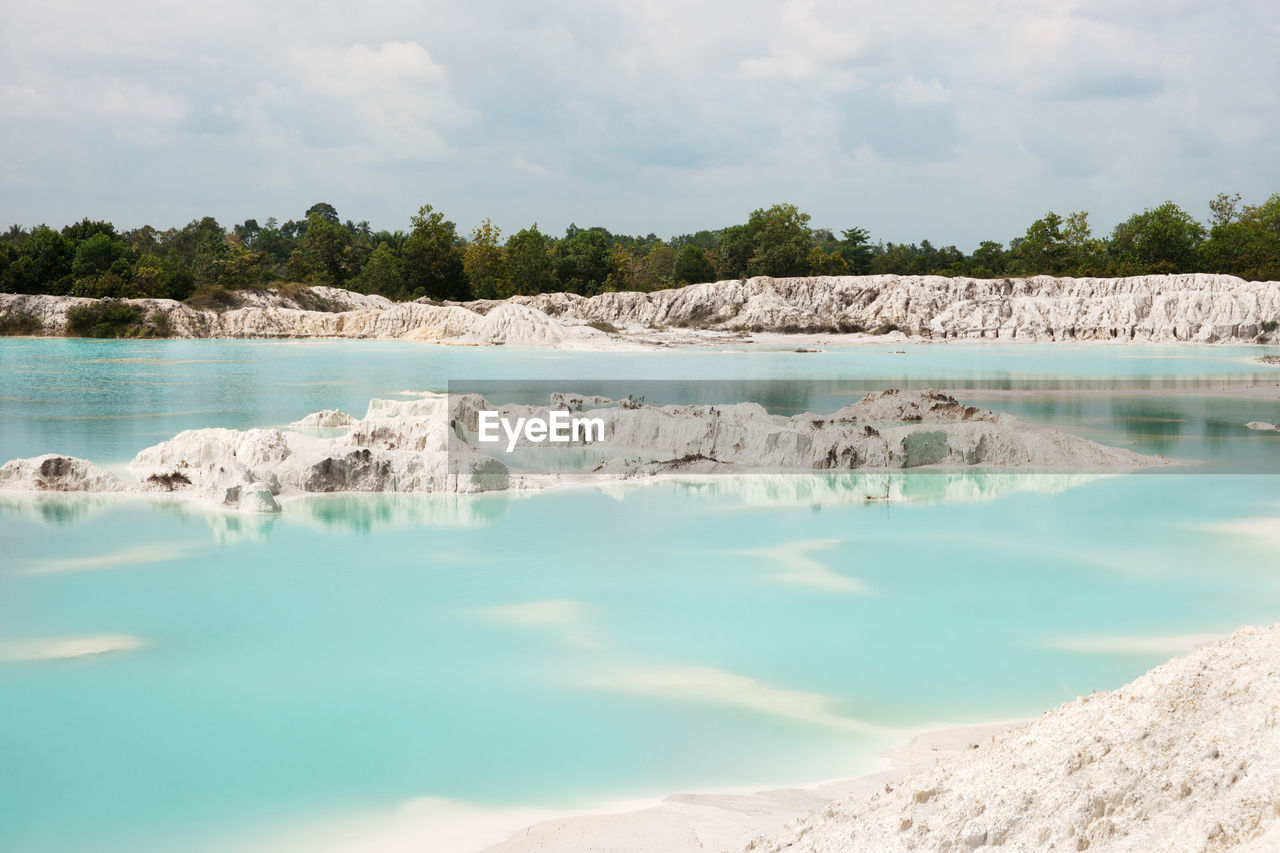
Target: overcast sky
{"x": 956, "y": 121}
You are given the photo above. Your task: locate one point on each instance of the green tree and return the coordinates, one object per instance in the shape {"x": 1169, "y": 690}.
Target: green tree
{"x": 1244, "y": 242}
{"x": 1083, "y": 254}
{"x": 1042, "y": 250}
{"x": 529, "y": 265}
{"x": 826, "y": 263}
{"x": 325, "y": 211}
{"x": 14, "y": 236}
{"x": 99, "y": 254}
{"x": 484, "y": 261}
{"x": 774, "y": 242}
{"x": 240, "y": 267}
{"x": 178, "y": 280}
{"x": 1164, "y": 239}
{"x": 897, "y": 259}
{"x": 201, "y": 244}
{"x": 44, "y": 263}
{"x": 383, "y": 273}
{"x": 147, "y": 279}
{"x": 658, "y": 270}
{"x": 780, "y": 239}
{"x": 323, "y": 255}
{"x": 733, "y": 252}
{"x": 855, "y": 248}
{"x": 275, "y": 246}
{"x": 624, "y": 270}
{"x": 144, "y": 240}
{"x": 247, "y": 231}
{"x": 988, "y": 260}
{"x": 8, "y": 257}
{"x": 581, "y": 260}
{"x": 693, "y": 266}
{"x": 432, "y": 258}
{"x": 394, "y": 239}
{"x": 1224, "y": 209}
{"x": 86, "y": 228}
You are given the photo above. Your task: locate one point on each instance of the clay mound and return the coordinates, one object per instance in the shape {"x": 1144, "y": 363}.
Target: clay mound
{"x": 1183, "y": 758}
{"x": 54, "y": 473}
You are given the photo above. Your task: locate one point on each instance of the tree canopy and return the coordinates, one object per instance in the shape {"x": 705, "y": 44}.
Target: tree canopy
{"x": 430, "y": 259}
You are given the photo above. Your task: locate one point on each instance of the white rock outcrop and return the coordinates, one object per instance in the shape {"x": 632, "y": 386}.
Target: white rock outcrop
{"x": 1191, "y": 307}
{"x": 266, "y": 314}
{"x": 1182, "y": 759}
{"x": 428, "y": 444}
{"x": 399, "y": 446}
{"x": 891, "y": 430}
{"x": 327, "y": 419}
{"x": 55, "y": 473}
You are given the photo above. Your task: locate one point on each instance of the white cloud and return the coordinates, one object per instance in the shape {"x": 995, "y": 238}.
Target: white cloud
{"x": 815, "y": 42}
{"x": 395, "y": 98}
{"x": 96, "y": 96}
{"x": 911, "y": 91}
{"x": 957, "y": 121}
{"x": 537, "y": 170}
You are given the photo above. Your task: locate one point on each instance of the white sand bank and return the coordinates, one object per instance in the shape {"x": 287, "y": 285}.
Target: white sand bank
{"x": 1183, "y": 758}
{"x": 673, "y": 824}
{"x": 62, "y": 648}
{"x": 721, "y": 821}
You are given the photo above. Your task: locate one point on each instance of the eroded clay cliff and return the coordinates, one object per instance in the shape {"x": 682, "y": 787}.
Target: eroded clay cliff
{"x": 1155, "y": 308}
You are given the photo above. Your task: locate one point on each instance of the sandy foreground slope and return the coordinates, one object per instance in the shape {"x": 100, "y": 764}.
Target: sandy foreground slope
{"x": 684, "y": 823}
{"x": 1184, "y": 758}
{"x": 1153, "y": 308}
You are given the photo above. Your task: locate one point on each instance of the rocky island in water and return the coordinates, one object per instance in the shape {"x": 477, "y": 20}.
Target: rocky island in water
{"x": 429, "y": 444}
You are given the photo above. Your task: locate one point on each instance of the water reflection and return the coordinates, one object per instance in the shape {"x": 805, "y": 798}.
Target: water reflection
{"x": 58, "y": 510}
{"x": 366, "y": 513}
{"x": 363, "y": 514}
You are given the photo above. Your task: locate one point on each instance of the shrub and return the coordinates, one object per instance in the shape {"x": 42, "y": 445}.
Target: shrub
{"x": 170, "y": 481}
{"x": 104, "y": 320}
{"x": 161, "y": 324}
{"x": 113, "y": 319}
{"x": 1269, "y": 326}
{"x": 213, "y": 297}
{"x": 308, "y": 300}
{"x": 604, "y": 326}
{"x": 842, "y": 327}
{"x": 20, "y": 323}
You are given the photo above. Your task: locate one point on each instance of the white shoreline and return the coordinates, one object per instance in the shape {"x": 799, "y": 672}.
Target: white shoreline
{"x": 716, "y": 818}
{"x": 724, "y": 819}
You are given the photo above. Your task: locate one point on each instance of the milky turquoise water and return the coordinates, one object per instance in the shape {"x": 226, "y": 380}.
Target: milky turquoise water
{"x": 577, "y": 646}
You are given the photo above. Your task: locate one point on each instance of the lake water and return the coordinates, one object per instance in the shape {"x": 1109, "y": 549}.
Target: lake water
{"x": 582, "y": 645}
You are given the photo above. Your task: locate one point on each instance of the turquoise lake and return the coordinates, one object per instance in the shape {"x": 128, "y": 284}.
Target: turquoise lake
{"x": 583, "y": 645}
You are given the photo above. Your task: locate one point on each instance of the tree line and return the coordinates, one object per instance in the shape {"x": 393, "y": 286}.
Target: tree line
{"x": 204, "y": 260}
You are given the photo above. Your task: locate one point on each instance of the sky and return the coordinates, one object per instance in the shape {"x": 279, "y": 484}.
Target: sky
{"x": 956, "y": 121}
